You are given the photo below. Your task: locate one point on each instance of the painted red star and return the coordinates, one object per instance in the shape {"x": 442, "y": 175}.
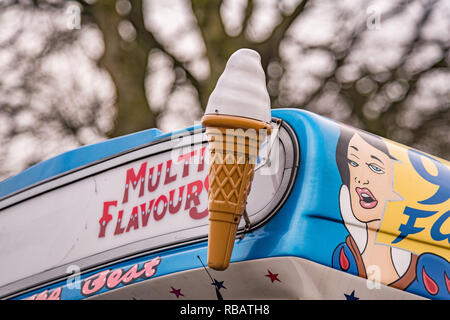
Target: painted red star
{"x": 273, "y": 276}
{"x": 176, "y": 292}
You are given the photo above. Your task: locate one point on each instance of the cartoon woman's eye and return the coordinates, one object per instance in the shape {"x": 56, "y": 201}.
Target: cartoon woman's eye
{"x": 353, "y": 163}
{"x": 375, "y": 168}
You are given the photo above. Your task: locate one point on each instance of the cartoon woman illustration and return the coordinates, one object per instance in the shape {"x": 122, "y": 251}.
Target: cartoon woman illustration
{"x": 366, "y": 169}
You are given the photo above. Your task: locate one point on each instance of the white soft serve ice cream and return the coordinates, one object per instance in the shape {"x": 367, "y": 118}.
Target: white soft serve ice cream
{"x": 236, "y": 119}
{"x": 241, "y": 89}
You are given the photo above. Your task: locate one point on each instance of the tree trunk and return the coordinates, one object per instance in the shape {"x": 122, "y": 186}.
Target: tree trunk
{"x": 126, "y": 62}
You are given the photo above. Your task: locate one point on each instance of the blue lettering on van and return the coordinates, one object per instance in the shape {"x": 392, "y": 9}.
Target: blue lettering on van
{"x": 441, "y": 179}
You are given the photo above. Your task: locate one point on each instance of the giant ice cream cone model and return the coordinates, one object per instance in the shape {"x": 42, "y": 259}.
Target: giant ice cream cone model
{"x": 237, "y": 121}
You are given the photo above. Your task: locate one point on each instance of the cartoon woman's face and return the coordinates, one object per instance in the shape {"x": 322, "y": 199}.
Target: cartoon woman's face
{"x": 370, "y": 179}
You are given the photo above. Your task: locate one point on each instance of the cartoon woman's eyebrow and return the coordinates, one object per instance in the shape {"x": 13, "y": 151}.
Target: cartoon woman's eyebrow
{"x": 354, "y": 148}
{"x": 373, "y": 157}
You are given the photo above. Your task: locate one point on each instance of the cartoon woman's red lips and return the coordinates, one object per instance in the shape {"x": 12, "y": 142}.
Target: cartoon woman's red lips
{"x": 367, "y": 200}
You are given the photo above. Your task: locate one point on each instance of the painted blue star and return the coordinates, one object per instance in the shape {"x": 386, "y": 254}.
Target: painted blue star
{"x": 218, "y": 284}
{"x": 351, "y": 296}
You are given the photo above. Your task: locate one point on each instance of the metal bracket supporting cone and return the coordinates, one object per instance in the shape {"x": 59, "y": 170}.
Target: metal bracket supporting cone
{"x": 265, "y": 160}
{"x": 270, "y": 142}
{"x": 247, "y": 225}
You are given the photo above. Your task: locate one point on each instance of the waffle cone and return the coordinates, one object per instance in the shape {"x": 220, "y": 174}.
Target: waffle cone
{"x": 233, "y": 155}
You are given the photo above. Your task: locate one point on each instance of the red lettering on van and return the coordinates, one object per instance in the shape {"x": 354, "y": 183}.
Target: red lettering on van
{"x": 111, "y": 279}
{"x": 132, "y": 181}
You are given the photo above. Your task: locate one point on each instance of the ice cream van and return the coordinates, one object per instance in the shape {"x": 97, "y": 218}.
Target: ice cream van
{"x": 331, "y": 212}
